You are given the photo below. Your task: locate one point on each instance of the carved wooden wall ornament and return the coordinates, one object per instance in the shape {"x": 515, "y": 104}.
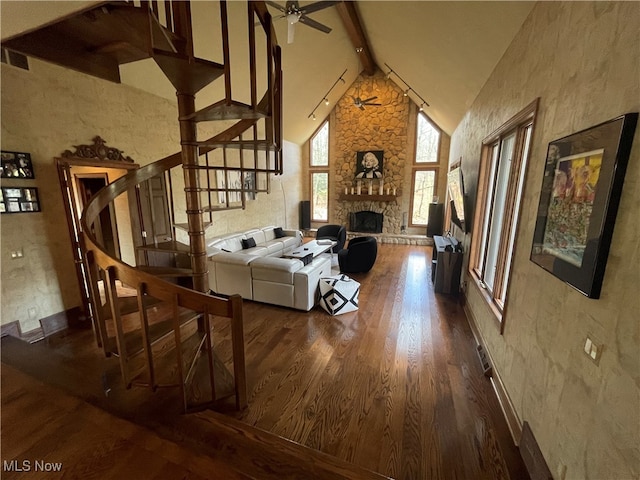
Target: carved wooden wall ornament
{"x": 97, "y": 151}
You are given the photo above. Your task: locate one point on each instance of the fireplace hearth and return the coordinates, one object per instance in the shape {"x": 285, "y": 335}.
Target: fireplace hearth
{"x": 366, "y": 222}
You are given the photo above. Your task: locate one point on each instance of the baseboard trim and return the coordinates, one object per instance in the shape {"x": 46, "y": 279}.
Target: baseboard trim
{"x": 532, "y": 455}
{"x": 508, "y": 410}
{"x": 11, "y": 329}
{"x": 71, "y": 318}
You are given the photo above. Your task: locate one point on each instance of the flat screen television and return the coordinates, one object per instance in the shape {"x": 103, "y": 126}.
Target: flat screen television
{"x": 455, "y": 187}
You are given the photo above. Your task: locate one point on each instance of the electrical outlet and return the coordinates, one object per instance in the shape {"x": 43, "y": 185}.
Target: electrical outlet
{"x": 593, "y": 350}
{"x": 17, "y": 254}
{"x": 32, "y": 313}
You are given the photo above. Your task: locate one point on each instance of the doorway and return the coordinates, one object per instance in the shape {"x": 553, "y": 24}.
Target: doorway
{"x": 105, "y": 230}
{"x": 80, "y": 179}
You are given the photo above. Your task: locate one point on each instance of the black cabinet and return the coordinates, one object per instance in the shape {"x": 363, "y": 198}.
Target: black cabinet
{"x": 446, "y": 264}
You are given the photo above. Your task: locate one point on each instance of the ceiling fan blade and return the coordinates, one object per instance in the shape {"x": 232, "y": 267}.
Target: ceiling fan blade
{"x": 276, "y": 5}
{"x": 314, "y": 7}
{"x": 291, "y": 31}
{"x": 361, "y": 107}
{"x": 373, "y": 104}
{"x": 313, "y": 24}
{"x": 369, "y": 99}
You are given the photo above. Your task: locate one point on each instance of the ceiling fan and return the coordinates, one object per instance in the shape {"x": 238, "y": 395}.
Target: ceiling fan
{"x": 294, "y": 14}
{"x": 358, "y": 102}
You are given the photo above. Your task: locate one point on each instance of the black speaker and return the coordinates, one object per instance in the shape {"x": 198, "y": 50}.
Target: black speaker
{"x": 436, "y": 219}
{"x": 305, "y": 214}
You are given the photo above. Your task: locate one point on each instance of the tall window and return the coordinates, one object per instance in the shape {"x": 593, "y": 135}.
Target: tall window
{"x": 319, "y": 160}
{"x": 502, "y": 172}
{"x": 425, "y": 170}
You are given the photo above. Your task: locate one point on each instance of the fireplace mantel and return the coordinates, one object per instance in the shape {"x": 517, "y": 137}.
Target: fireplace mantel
{"x": 347, "y": 197}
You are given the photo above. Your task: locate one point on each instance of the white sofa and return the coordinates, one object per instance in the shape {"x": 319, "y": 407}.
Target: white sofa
{"x": 260, "y": 274}
{"x": 266, "y": 242}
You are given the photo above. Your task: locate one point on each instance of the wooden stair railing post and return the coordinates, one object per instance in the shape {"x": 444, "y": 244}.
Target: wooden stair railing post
{"x": 225, "y": 51}
{"x": 208, "y": 345}
{"x": 144, "y": 325}
{"x": 198, "y": 249}
{"x": 112, "y": 297}
{"x": 237, "y": 344}
{"x": 99, "y": 323}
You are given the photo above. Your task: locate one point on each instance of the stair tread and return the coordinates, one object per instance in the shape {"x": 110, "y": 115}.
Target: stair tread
{"x": 166, "y": 271}
{"x": 222, "y": 110}
{"x": 188, "y": 77}
{"x": 170, "y": 246}
{"x": 128, "y": 305}
{"x": 185, "y": 226}
{"x": 216, "y": 208}
{"x": 165, "y": 362}
{"x": 97, "y": 40}
{"x": 195, "y": 370}
{"x": 157, "y": 331}
{"x": 259, "y": 145}
{"x": 199, "y": 386}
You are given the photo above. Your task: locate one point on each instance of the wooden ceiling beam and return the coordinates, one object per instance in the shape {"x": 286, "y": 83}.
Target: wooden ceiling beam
{"x": 351, "y": 20}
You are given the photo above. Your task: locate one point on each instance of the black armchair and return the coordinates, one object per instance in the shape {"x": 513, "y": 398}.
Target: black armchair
{"x": 337, "y": 233}
{"x": 359, "y": 256}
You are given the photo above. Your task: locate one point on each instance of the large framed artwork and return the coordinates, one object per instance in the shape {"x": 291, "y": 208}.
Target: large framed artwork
{"x": 370, "y": 164}
{"x": 581, "y": 191}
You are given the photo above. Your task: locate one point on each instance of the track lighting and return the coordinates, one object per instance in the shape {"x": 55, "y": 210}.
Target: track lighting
{"x": 408, "y": 89}
{"x": 325, "y": 97}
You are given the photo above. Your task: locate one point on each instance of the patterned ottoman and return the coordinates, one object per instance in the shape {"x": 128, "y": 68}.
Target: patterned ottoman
{"x": 339, "y": 294}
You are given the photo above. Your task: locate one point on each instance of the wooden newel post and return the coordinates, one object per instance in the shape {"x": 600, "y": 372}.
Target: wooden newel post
{"x": 198, "y": 248}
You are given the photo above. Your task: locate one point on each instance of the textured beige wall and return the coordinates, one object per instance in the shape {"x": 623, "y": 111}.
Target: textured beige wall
{"x": 390, "y": 127}
{"x": 47, "y": 110}
{"x": 583, "y": 60}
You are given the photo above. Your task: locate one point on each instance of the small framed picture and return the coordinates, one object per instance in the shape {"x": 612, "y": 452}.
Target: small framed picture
{"x": 19, "y": 200}
{"x": 16, "y": 165}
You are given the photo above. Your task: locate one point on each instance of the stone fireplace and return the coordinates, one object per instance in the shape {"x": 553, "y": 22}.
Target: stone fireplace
{"x": 366, "y": 221}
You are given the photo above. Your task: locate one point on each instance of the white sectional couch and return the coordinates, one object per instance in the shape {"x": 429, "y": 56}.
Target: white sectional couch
{"x": 259, "y": 273}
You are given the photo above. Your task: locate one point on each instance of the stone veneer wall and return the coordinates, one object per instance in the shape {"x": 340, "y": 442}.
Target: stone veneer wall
{"x": 375, "y": 128}
{"x": 583, "y": 60}
{"x": 391, "y": 128}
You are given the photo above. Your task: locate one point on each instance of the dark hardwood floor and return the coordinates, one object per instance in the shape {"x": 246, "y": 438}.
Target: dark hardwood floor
{"x": 395, "y": 387}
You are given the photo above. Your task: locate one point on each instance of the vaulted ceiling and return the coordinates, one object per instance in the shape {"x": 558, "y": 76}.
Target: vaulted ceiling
{"x": 445, "y": 51}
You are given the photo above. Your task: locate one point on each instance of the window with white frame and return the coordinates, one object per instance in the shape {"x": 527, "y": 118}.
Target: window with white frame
{"x": 319, "y": 166}
{"x": 425, "y": 170}
{"x": 501, "y": 182}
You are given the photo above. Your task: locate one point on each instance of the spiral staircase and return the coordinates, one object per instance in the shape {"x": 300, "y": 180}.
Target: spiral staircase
{"x": 164, "y": 335}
